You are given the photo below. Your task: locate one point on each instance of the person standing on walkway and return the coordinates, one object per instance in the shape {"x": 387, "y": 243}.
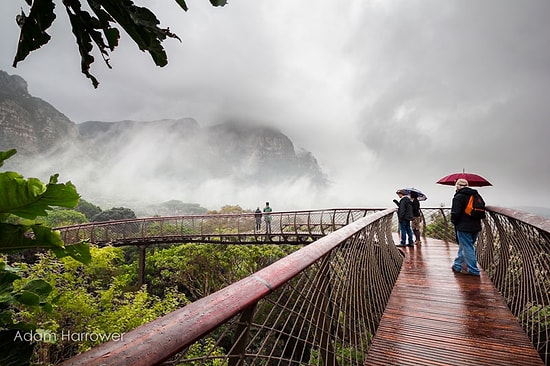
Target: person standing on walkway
{"x": 267, "y": 218}
{"x": 405, "y": 215}
{"x": 258, "y": 217}
{"x": 415, "y": 224}
{"x": 467, "y": 230}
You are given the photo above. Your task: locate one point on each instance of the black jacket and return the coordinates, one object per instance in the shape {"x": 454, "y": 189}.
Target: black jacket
{"x": 416, "y": 208}
{"x": 459, "y": 218}
{"x": 405, "y": 211}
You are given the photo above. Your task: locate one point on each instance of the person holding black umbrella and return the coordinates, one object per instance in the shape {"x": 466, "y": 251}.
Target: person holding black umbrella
{"x": 467, "y": 229}
{"x": 415, "y": 225}
{"x": 405, "y": 215}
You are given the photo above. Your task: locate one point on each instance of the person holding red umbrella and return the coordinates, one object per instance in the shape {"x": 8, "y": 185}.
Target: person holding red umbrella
{"x": 467, "y": 230}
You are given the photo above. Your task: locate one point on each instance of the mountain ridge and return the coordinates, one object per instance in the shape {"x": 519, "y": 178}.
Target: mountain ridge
{"x": 155, "y": 155}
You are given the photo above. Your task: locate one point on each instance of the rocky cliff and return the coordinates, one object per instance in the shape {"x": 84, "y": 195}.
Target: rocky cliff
{"x": 29, "y": 123}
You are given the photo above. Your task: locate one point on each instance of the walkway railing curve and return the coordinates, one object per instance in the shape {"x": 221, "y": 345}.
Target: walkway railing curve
{"x": 319, "y": 305}
{"x": 287, "y": 227}
{"x": 322, "y": 304}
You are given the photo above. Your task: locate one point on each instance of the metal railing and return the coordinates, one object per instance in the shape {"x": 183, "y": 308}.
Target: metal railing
{"x": 514, "y": 250}
{"x": 319, "y": 305}
{"x": 322, "y": 304}
{"x": 286, "y": 227}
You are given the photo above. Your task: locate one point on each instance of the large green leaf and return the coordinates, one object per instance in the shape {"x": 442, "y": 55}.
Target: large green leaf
{"x": 86, "y": 30}
{"x": 5, "y": 155}
{"x": 21, "y": 237}
{"x": 60, "y": 194}
{"x": 80, "y": 252}
{"x": 29, "y": 198}
{"x": 218, "y": 2}
{"x": 17, "y": 192}
{"x": 142, "y": 26}
{"x": 15, "y": 237}
{"x": 18, "y": 237}
{"x": 6, "y": 285}
{"x": 28, "y": 298}
{"x": 33, "y": 28}
{"x": 45, "y": 237}
{"x": 39, "y": 287}
{"x": 96, "y": 31}
{"x": 182, "y": 4}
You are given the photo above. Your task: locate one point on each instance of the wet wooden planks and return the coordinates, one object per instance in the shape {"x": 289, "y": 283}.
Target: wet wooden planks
{"x": 437, "y": 317}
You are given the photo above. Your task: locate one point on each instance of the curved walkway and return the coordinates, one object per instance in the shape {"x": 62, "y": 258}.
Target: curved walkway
{"x": 437, "y": 317}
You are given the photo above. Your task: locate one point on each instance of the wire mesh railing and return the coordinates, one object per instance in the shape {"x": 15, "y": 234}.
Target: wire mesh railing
{"x": 284, "y": 227}
{"x": 319, "y": 305}
{"x": 291, "y": 227}
{"x": 514, "y": 250}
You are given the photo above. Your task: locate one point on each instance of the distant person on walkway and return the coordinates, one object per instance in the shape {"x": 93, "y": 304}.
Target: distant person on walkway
{"x": 405, "y": 215}
{"x": 467, "y": 230}
{"x": 267, "y": 218}
{"x": 416, "y": 221}
{"x": 258, "y": 217}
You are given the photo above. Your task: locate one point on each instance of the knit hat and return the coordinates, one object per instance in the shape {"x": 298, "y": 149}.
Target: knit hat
{"x": 401, "y": 191}
{"x": 461, "y": 183}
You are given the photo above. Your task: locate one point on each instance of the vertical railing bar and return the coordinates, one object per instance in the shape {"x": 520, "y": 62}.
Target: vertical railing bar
{"x": 141, "y": 265}
{"x": 241, "y": 337}
{"x": 321, "y": 315}
{"x": 321, "y": 227}
{"x": 309, "y": 223}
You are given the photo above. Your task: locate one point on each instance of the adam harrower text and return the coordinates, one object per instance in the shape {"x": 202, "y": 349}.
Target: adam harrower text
{"x": 68, "y": 336}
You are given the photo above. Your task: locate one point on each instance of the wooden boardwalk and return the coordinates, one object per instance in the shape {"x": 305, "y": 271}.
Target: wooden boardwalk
{"x": 437, "y": 317}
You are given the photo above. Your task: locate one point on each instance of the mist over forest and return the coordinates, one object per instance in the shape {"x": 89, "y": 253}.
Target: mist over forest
{"x": 139, "y": 163}
{"x": 232, "y": 163}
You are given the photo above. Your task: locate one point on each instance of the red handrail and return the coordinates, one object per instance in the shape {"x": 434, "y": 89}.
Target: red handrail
{"x": 160, "y": 339}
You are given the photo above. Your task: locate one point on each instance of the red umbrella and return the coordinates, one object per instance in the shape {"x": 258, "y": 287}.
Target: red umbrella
{"x": 474, "y": 180}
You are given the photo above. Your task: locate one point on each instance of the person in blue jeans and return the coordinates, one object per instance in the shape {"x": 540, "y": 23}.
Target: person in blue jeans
{"x": 405, "y": 215}
{"x": 467, "y": 230}
{"x": 267, "y": 218}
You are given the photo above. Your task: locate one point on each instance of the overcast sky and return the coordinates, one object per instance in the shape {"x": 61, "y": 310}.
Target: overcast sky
{"x": 385, "y": 94}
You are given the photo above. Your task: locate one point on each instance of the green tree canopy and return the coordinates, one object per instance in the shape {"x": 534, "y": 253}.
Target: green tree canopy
{"x": 115, "y": 213}
{"x": 62, "y": 217}
{"x": 87, "y": 209}
{"x": 96, "y": 27}
{"x": 229, "y": 209}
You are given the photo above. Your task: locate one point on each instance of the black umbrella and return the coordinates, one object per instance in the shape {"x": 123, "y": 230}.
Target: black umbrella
{"x": 421, "y": 196}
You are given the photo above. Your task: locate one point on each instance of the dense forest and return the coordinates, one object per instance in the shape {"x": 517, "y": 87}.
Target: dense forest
{"x": 58, "y": 301}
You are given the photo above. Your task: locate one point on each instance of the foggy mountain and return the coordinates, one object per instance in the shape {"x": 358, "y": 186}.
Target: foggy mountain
{"x": 136, "y": 163}
{"x": 31, "y": 124}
